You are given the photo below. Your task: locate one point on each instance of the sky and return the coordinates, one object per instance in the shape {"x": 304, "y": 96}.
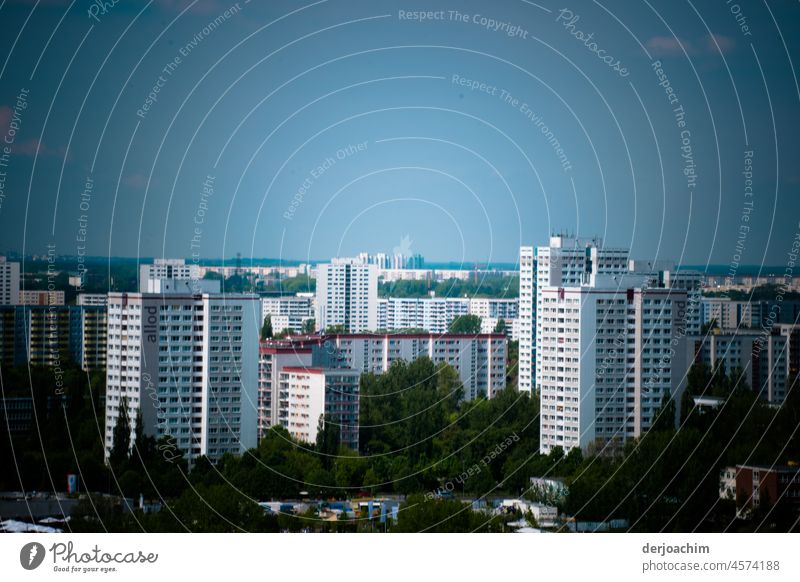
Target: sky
{"x": 455, "y": 129}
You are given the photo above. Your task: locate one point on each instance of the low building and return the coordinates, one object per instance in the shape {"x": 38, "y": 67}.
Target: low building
{"x": 754, "y": 486}
{"x": 92, "y": 299}
{"x": 545, "y": 515}
{"x": 36, "y": 297}
{"x": 288, "y": 312}
{"x": 167, "y": 269}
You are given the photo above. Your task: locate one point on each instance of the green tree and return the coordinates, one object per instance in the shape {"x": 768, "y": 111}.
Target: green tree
{"x": 120, "y": 450}
{"x": 422, "y": 514}
{"x": 266, "y": 328}
{"x": 328, "y": 440}
{"x": 466, "y": 324}
{"x": 309, "y": 326}
{"x": 283, "y": 334}
{"x": 501, "y": 326}
{"x": 664, "y": 418}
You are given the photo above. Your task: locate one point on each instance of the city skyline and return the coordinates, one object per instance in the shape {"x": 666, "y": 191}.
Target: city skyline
{"x": 401, "y": 140}
{"x": 400, "y": 266}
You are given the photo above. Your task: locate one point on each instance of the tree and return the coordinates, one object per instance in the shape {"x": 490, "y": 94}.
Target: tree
{"x": 466, "y": 324}
{"x": 501, "y": 326}
{"x": 328, "y": 438}
{"x": 120, "y": 450}
{"x": 309, "y": 326}
{"x": 266, "y": 329}
{"x": 664, "y": 418}
{"x": 334, "y": 329}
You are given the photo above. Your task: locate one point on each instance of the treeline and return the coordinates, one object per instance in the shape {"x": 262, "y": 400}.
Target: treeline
{"x": 100, "y": 275}
{"x": 668, "y": 480}
{"x": 419, "y": 433}
{"x": 247, "y": 283}
{"x": 64, "y": 410}
{"x": 479, "y": 286}
{"x": 767, "y": 292}
{"x": 418, "y": 438}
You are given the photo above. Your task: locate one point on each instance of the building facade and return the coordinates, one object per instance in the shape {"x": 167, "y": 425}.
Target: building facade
{"x": 36, "y": 297}
{"x": 526, "y": 322}
{"x": 167, "y": 269}
{"x": 753, "y": 486}
{"x": 480, "y": 360}
{"x": 347, "y": 295}
{"x": 288, "y": 312}
{"x": 274, "y": 356}
{"x": 607, "y": 353}
{"x": 92, "y": 299}
{"x": 189, "y": 365}
{"x": 9, "y": 282}
{"x": 566, "y": 262}
{"x": 763, "y": 358}
{"x": 311, "y": 397}
{"x": 52, "y": 335}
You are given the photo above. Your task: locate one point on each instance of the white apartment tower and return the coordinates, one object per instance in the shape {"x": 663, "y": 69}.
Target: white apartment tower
{"x": 189, "y": 364}
{"x": 607, "y": 351}
{"x": 526, "y": 323}
{"x": 347, "y": 295}
{"x": 565, "y": 262}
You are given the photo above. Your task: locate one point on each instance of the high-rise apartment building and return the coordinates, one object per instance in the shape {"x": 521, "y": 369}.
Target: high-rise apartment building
{"x": 526, "y": 323}
{"x": 566, "y": 261}
{"x": 9, "y": 282}
{"x": 93, "y": 330}
{"x": 728, "y": 314}
{"x": 189, "y": 364}
{"x": 347, "y": 295}
{"x": 52, "y": 335}
{"x": 494, "y": 308}
{"x": 607, "y": 352}
{"x": 791, "y": 331}
{"x": 762, "y": 358}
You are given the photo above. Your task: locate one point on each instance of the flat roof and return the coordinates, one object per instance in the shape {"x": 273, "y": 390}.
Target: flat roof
{"x": 318, "y": 370}
{"x": 319, "y": 338}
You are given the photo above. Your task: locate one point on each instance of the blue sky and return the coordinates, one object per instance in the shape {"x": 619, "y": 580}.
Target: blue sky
{"x": 334, "y": 127}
